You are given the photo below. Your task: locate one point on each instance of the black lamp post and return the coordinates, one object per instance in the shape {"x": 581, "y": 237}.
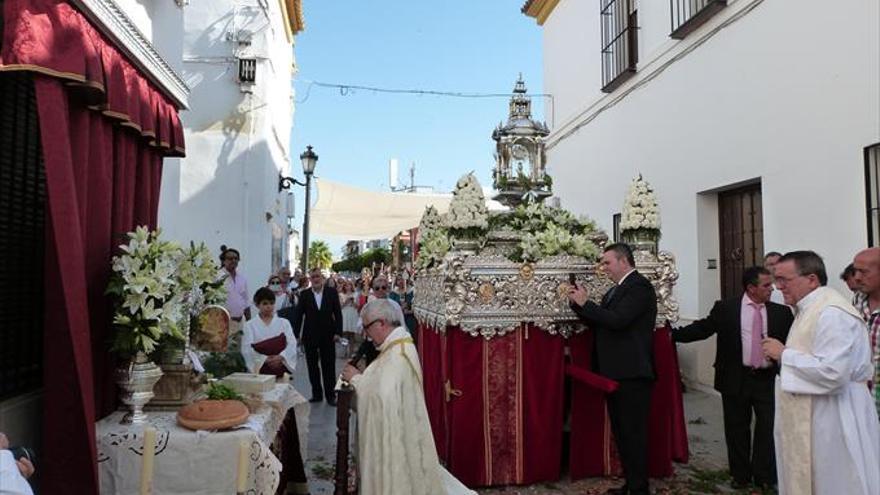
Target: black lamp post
{"x": 309, "y": 160}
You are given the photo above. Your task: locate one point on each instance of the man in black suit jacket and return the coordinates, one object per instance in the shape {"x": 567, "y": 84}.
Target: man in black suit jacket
{"x": 746, "y": 383}
{"x": 320, "y": 307}
{"x": 623, "y": 326}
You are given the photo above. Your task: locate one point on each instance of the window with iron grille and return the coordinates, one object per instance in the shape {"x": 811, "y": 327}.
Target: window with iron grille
{"x": 247, "y": 70}
{"x": 872, "y": 191}
{"x": 22, "y": 211}
{"x": 688, "y": 15}
{"x": 620, "y": 42}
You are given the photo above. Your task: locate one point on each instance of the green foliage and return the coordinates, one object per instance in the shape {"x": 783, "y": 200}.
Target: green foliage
{"x": 547, "y": 232}
{"x": 320, "y": 255}
{"x": 357, "y": 263}
{"x": 220, "y": 364}
{"x": 219, "y": 391}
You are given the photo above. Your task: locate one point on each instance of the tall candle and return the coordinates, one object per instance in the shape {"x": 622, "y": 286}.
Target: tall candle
{"x": 243, "y": 464}
{"x": 149, "y": 455}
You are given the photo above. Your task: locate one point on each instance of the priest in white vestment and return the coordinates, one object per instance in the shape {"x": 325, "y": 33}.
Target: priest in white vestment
{"x": 826, "y": 430}
{"x": 396, "y": 452}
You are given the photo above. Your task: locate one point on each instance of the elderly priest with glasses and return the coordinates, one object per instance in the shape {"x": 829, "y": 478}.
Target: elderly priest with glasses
{"x": 396, "y": 452}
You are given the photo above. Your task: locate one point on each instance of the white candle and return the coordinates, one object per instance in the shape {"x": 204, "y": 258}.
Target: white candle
{"x": 149, "y": 454}
{"x": 243, "y": 464}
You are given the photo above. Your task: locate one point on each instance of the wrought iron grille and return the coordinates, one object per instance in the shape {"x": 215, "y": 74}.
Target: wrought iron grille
{"x": 620, "y": 46}
{"x": 872, "y": 193}
{"x": 22, "y": 211}
{"x": 687, "y": 15}
{"x": 247, "y": 70}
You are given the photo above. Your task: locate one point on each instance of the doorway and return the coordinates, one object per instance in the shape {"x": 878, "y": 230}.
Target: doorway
{"x": 741, "y": 232}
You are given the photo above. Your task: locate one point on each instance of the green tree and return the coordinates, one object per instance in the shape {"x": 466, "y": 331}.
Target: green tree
{"x": 320, "y": 255}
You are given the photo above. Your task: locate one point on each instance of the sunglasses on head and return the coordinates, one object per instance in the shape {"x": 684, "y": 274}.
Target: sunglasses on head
{"x": 381, "y": 287}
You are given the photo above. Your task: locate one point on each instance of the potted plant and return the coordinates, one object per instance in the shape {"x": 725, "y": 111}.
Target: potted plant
{"x": 147, "y": 308}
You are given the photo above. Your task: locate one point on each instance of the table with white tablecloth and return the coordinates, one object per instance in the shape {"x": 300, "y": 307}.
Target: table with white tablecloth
{"x": 199, "y": 462}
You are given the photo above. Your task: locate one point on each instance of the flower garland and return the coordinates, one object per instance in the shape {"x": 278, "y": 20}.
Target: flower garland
{"x": 640, "y": 209}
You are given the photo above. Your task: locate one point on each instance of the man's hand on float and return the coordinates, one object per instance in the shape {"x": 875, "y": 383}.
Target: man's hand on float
{"x": 578, "y": 295}
{"x": 25, "y": 467}
{"x": 349, "y": 371}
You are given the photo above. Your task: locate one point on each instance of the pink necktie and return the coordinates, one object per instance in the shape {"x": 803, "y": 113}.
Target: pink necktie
{"x": 757, "y": 358}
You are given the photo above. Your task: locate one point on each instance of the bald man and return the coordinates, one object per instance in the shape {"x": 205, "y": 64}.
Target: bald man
{"x": 867, "y": 301}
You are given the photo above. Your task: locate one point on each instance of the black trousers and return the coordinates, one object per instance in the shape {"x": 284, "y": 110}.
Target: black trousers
{"x": 751, "y": 458}
{"x": 629, "y": 409}
{"x": 324, "y": 352}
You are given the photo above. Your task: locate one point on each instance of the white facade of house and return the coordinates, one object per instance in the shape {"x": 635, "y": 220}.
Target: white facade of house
{"x": 784, "y": 92}
{"x": 225, "y": 192}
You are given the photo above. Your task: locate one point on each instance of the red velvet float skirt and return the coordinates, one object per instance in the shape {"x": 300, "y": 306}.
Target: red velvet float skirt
{"x": 497, "y": 407}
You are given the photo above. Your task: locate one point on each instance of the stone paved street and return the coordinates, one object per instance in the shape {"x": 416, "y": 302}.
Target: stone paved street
{"x": 704, "y": 474}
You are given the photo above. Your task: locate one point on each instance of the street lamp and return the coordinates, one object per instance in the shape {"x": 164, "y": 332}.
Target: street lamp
{"x": 309, "y": 159}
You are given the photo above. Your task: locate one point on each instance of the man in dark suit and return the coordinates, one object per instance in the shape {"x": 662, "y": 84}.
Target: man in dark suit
{"x": 320, "y": 307}
{"x": 742, "y": 375}
{"x": 623, "y": 326}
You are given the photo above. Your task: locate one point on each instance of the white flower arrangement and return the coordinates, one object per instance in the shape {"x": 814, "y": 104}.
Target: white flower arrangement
{"x": 640, "y": 209}
{"x": 552, "y": 231}
{"x": 467, "y": 211}
{"x": 145, "y": 286}
{"x": 433, "y": 239}
{"x": 158, "y": 287}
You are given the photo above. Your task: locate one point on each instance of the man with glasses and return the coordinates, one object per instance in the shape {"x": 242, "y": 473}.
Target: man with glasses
{"x": 237, "y": 297}
{"x": 396, "y": 452}
{"x": 826, "y": 429}
{"x": 319, "y": 306}
{"x": 380, "y": 292}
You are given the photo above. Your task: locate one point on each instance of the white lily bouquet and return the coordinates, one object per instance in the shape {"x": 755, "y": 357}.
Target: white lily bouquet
{"x": 148, "y": 303}
{"x": 641, "y": 214}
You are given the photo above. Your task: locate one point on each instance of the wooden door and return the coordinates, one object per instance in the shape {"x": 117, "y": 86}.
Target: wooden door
{"x": 741, "y": 230}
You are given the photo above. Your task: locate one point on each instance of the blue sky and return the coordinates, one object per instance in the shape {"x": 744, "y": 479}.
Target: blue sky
{"x": 479, "y": 46}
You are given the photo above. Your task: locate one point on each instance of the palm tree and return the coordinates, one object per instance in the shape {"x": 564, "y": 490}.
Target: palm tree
{"x": 320, "y": 255}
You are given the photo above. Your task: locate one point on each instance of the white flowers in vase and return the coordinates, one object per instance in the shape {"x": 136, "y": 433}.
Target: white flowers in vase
{"x": 468, "y": 215}
{"x": 640, "y": 210}
{"x": 145, "y": 287}
{"x": 158, "y": 287}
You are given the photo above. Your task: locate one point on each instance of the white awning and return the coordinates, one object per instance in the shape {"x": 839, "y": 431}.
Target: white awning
{"x": 359, "y": 214}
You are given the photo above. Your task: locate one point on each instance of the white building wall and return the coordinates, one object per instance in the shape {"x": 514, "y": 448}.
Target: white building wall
{"x": 788, "y": 93}
{"x": 226, "y": 190}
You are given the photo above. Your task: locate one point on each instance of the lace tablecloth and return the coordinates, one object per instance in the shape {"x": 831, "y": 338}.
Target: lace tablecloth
{"x": 198, "y": 462}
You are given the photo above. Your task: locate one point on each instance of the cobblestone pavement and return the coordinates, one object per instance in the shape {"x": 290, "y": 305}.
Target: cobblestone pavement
{"x": 705, "y": 473}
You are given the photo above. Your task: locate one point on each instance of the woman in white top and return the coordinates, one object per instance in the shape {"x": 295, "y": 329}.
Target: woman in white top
{"x": 282, "y": 300}
{"x": 267, "y": 326}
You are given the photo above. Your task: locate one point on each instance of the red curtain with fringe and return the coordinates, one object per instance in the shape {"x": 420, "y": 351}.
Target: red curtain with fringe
{"x": 104, "y": 130}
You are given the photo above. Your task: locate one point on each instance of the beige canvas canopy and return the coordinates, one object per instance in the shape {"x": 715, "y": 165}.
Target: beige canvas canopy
{"x": 358, "y": 214}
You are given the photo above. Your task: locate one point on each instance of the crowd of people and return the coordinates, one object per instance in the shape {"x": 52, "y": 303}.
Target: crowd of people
{"x": 312, "y": 312}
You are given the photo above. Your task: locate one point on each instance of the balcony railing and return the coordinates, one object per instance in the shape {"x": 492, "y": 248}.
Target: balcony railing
{"x": 620, "y": 42}
{"x": 688, "y": 15}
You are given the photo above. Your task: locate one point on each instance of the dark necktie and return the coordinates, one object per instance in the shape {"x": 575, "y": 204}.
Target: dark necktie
{"x": 608, "y": 295}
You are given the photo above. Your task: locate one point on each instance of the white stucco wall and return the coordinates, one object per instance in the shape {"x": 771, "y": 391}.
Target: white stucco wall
{"x": 226, "y": 190}
{"x": 788, "y": 94}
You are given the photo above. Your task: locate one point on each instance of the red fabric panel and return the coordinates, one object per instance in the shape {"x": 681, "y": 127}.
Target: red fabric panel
{"x": 433, "y": 380}
{"x": 542, "y": 395}
{"x": 467, "y": 451}
{"x": 590, "y": 379}
{"x": 589, "y": 452}
{"x": 502, "y": 408}
{"x": 99, "y": 177}
{"x": 69, "y": 430}
{"x": 668, "y": 433}
{"x": 51, "y": 37}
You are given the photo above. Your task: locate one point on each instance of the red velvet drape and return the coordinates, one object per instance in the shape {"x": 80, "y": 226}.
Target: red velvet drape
{"x": 592, "y": 447}
{"x": 104, "y": 130}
